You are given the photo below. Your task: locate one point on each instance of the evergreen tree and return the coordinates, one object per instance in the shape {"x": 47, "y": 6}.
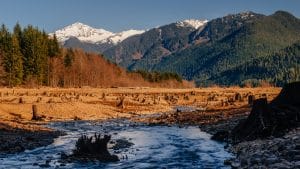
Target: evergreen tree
{"x": 12, "y": 57}
{"x": 5, "y": 39}
{"x": 18, "y": 32}
{"x": 35, "y": 54}
{"x": 53, "y": 46}
{"x": 69, "y": 58}
{"x": 13, "y": 63}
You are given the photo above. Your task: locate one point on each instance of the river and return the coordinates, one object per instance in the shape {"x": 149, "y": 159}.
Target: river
{"x": 154, "y": 147}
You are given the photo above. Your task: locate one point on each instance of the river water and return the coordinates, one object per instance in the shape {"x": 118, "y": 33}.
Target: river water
{"x": 154, "y": 147}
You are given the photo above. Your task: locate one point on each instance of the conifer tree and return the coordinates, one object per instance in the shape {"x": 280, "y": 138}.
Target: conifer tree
{"x": 18, "y": 32}
{"x": 35, "y": 54}
{"x": 12, "y": 57}
{"x": 14, "y": 64}
{"x": 69, "y": 58}
{"x": 53, "y": 46}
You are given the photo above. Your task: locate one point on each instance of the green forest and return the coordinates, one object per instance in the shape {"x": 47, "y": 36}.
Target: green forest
{"x": 25, "y": 55}
{"x": 31, "y": 57}
{"x": 239, "y": 52}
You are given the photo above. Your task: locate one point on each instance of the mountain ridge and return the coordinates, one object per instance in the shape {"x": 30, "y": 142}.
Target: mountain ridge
{"x": 89, "y": 34}
{"x": 204, "y": 50}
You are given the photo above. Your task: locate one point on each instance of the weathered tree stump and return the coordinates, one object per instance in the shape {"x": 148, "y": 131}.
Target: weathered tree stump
{"x": 273, "y": 119}
{"x": 251, "y": 99}
{"x": 21, "y": 100}
{"x": 238, "y": 97}
{"x": 39, "y": 99}
{"x": 93, "y": 148}
{"x": 34, "y": 113}
{"x": 121, "y": 102}
{"x": 103, "y": 96}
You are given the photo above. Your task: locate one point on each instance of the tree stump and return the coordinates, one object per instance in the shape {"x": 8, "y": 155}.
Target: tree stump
{"x": 251, "y": 99}
{"x": 21, "y": 100}
{"x": 121, "y": 102}
{"x": 238, "y": 97}
{"x": 271, "y": 119}
{"x": 34, "y": 112}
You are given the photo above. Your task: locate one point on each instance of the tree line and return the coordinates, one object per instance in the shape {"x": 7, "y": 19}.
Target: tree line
{"x": 25, "y": 55}
{"x": 30, "y": 57}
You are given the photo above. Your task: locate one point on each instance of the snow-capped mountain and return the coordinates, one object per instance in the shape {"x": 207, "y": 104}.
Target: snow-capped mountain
{"x": 79, "y": 35}
{"x": 119, "y": 37}
{"x": 89, "y": 34}
{"x": 192, "y": 23}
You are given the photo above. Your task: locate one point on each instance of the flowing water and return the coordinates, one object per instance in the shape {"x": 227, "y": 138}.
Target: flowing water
{"x": 154, "y": 147}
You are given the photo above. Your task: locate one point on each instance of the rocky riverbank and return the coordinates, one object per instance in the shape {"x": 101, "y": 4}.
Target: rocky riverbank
{"x": 282, "y": 152}
{"x": 270, "y": 136}
{"x": 17, "y": 137}
{"x": 273, "y": 152}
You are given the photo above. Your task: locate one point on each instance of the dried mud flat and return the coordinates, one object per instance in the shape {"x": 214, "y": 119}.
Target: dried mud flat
{"x": 20, "y": 132}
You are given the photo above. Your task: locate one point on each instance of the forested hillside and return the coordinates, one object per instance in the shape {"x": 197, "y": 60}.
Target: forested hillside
{"x": 278, "y": 68}
{"x": 148, "y": 49}
{"x": 257, "y": 37}
{"x": 211, "y": 52}
{"x": 30, "y": 57}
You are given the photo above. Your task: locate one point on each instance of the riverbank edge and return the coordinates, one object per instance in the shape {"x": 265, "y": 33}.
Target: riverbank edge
{"x": 273, "y": 152}
{"x": 15, "y": 139}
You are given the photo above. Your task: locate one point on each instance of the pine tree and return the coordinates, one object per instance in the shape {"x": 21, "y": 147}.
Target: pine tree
{"x": 35, "y": 54}
{"x": 14, "y": 63}
{"x": 12, "y": 57}
{"x": 5, "y": 39}
{"x": 53, "y": 46}
{"x": 69, "y": 58}
{"x": 18, "y": 32}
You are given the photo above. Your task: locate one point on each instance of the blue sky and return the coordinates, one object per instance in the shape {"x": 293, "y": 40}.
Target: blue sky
{"x": 118, "y": 15}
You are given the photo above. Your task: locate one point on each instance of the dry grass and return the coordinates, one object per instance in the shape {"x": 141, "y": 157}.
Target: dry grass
{"x": 56, "y": 104}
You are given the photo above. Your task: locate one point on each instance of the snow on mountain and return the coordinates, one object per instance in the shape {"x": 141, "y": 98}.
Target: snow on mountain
{"x": 192, "y": 23}
{"x": 89, "y": 34}
{"x": 86, "y": 33}
{"x": 119, "y": 37}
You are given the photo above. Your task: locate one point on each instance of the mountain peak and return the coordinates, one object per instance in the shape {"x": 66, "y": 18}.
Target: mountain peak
{"x": 283, "y": 14}
{"x": 195, "y": 23}
{"x": 78, "y": 24}
{"x": 89, "y": 34}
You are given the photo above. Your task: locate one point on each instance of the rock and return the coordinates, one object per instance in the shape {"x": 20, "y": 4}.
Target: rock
{"x": 220, "y": 136}
{"x": 235, "y": 165}
{"x": 44, "y": 165}
{"x": 62, "y": 165}
{"x": 227, "y": 162}
{"x": 297, "y": 164}
{"x": 271, "y": 160}
{"x": 122, "y": 144}
{"x": 244, "y": 162}
{"x": 296, "y": 157}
